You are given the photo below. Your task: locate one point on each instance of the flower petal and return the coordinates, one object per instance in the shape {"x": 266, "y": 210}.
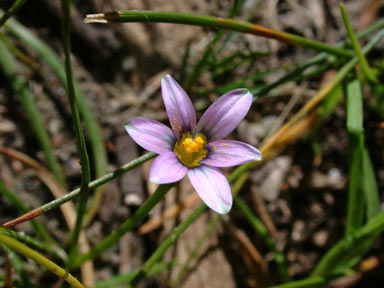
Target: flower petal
{"x": 222, "y": 117}
{"x": 166, "y": 168}
{"x": 151, "y": 135}
{"x": 212, "y": 187}
{"x": 181, "y": 113}
{"x": 228, "y": 153}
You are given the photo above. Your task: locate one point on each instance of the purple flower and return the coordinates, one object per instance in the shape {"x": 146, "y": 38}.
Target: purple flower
{"x": 196, "y": 150}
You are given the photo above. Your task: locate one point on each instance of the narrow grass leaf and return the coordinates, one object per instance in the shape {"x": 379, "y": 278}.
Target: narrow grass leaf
{"x": 40, "y": 259}
{"x": 11, "y": 11}
{"x": 356, "y": 200}
{"x": 94, "y": 131}
{"x": 216, "y": 23}
{"x": 368, "y": 72}
{"x": 311, "y": 282}
{"x": 349, "y": 250}
{"x": 369, "y": 186}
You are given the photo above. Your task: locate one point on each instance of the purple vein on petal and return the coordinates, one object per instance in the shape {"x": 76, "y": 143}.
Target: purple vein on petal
{"x": 166, "y": 168}
{"x": 223, "y": 116}
{"x": 228, "y": 153}
{"x": 212, "y": 187}
{"x": 179, "y": 107}
{"x": 151, "y": 135}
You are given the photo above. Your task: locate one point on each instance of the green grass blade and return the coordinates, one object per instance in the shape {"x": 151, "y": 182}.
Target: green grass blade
{"x": 356, "y": 200}
{"x": 40, "y": 259}
{"x": 14, "y": 8}
{"x": 94, "y": 131}
{"x": 75, "y": 193}
{"x": 349, "y": 250}
{"x": 81, "y": 148}
{"x": 368, "y": 72}
{"x": 216, "y": 23}
{"x": 311, "y": 282}
{"x": 262, "y": 231}
{"x": 369, "y": 186}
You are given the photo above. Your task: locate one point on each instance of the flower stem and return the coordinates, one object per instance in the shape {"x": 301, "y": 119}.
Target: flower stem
{"x": 215, "y": 23}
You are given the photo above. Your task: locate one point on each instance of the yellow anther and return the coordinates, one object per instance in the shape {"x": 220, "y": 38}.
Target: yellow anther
{"x": 191, "y": 150}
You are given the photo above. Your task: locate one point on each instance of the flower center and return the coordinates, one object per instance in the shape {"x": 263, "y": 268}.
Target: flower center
{"x": 190, "y": 150}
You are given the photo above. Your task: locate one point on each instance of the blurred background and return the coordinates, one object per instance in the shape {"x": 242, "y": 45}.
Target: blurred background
{"x": 300, "y": 195}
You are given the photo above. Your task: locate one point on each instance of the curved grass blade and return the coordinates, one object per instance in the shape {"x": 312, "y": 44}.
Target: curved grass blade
{"x": 40, "y": 259}
{"x": 215, "y": 23}
{"x": 368, "y": 72}
{"x": 54, "y": 250}
{"x": 348, "y": 251}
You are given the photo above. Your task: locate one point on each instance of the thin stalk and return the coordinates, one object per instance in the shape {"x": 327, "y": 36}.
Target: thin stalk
{"x": 20, "y": 88}
{"x": 260, "y": 229}
{"x": 171, "y": 239}
{"x": 54, "y": 250}
{"x": 128, "y": 225}
{"x": 40, "y": 259}
{"x": 94, "y": 131}
{"x": 39, "y": 228}
{"x": 81, "y": 148}
{"x": 14, "y": 8}
{"x": 215, "y": 23}
{"x": 75, "y": 193}
{"x": 368, "y": 72}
